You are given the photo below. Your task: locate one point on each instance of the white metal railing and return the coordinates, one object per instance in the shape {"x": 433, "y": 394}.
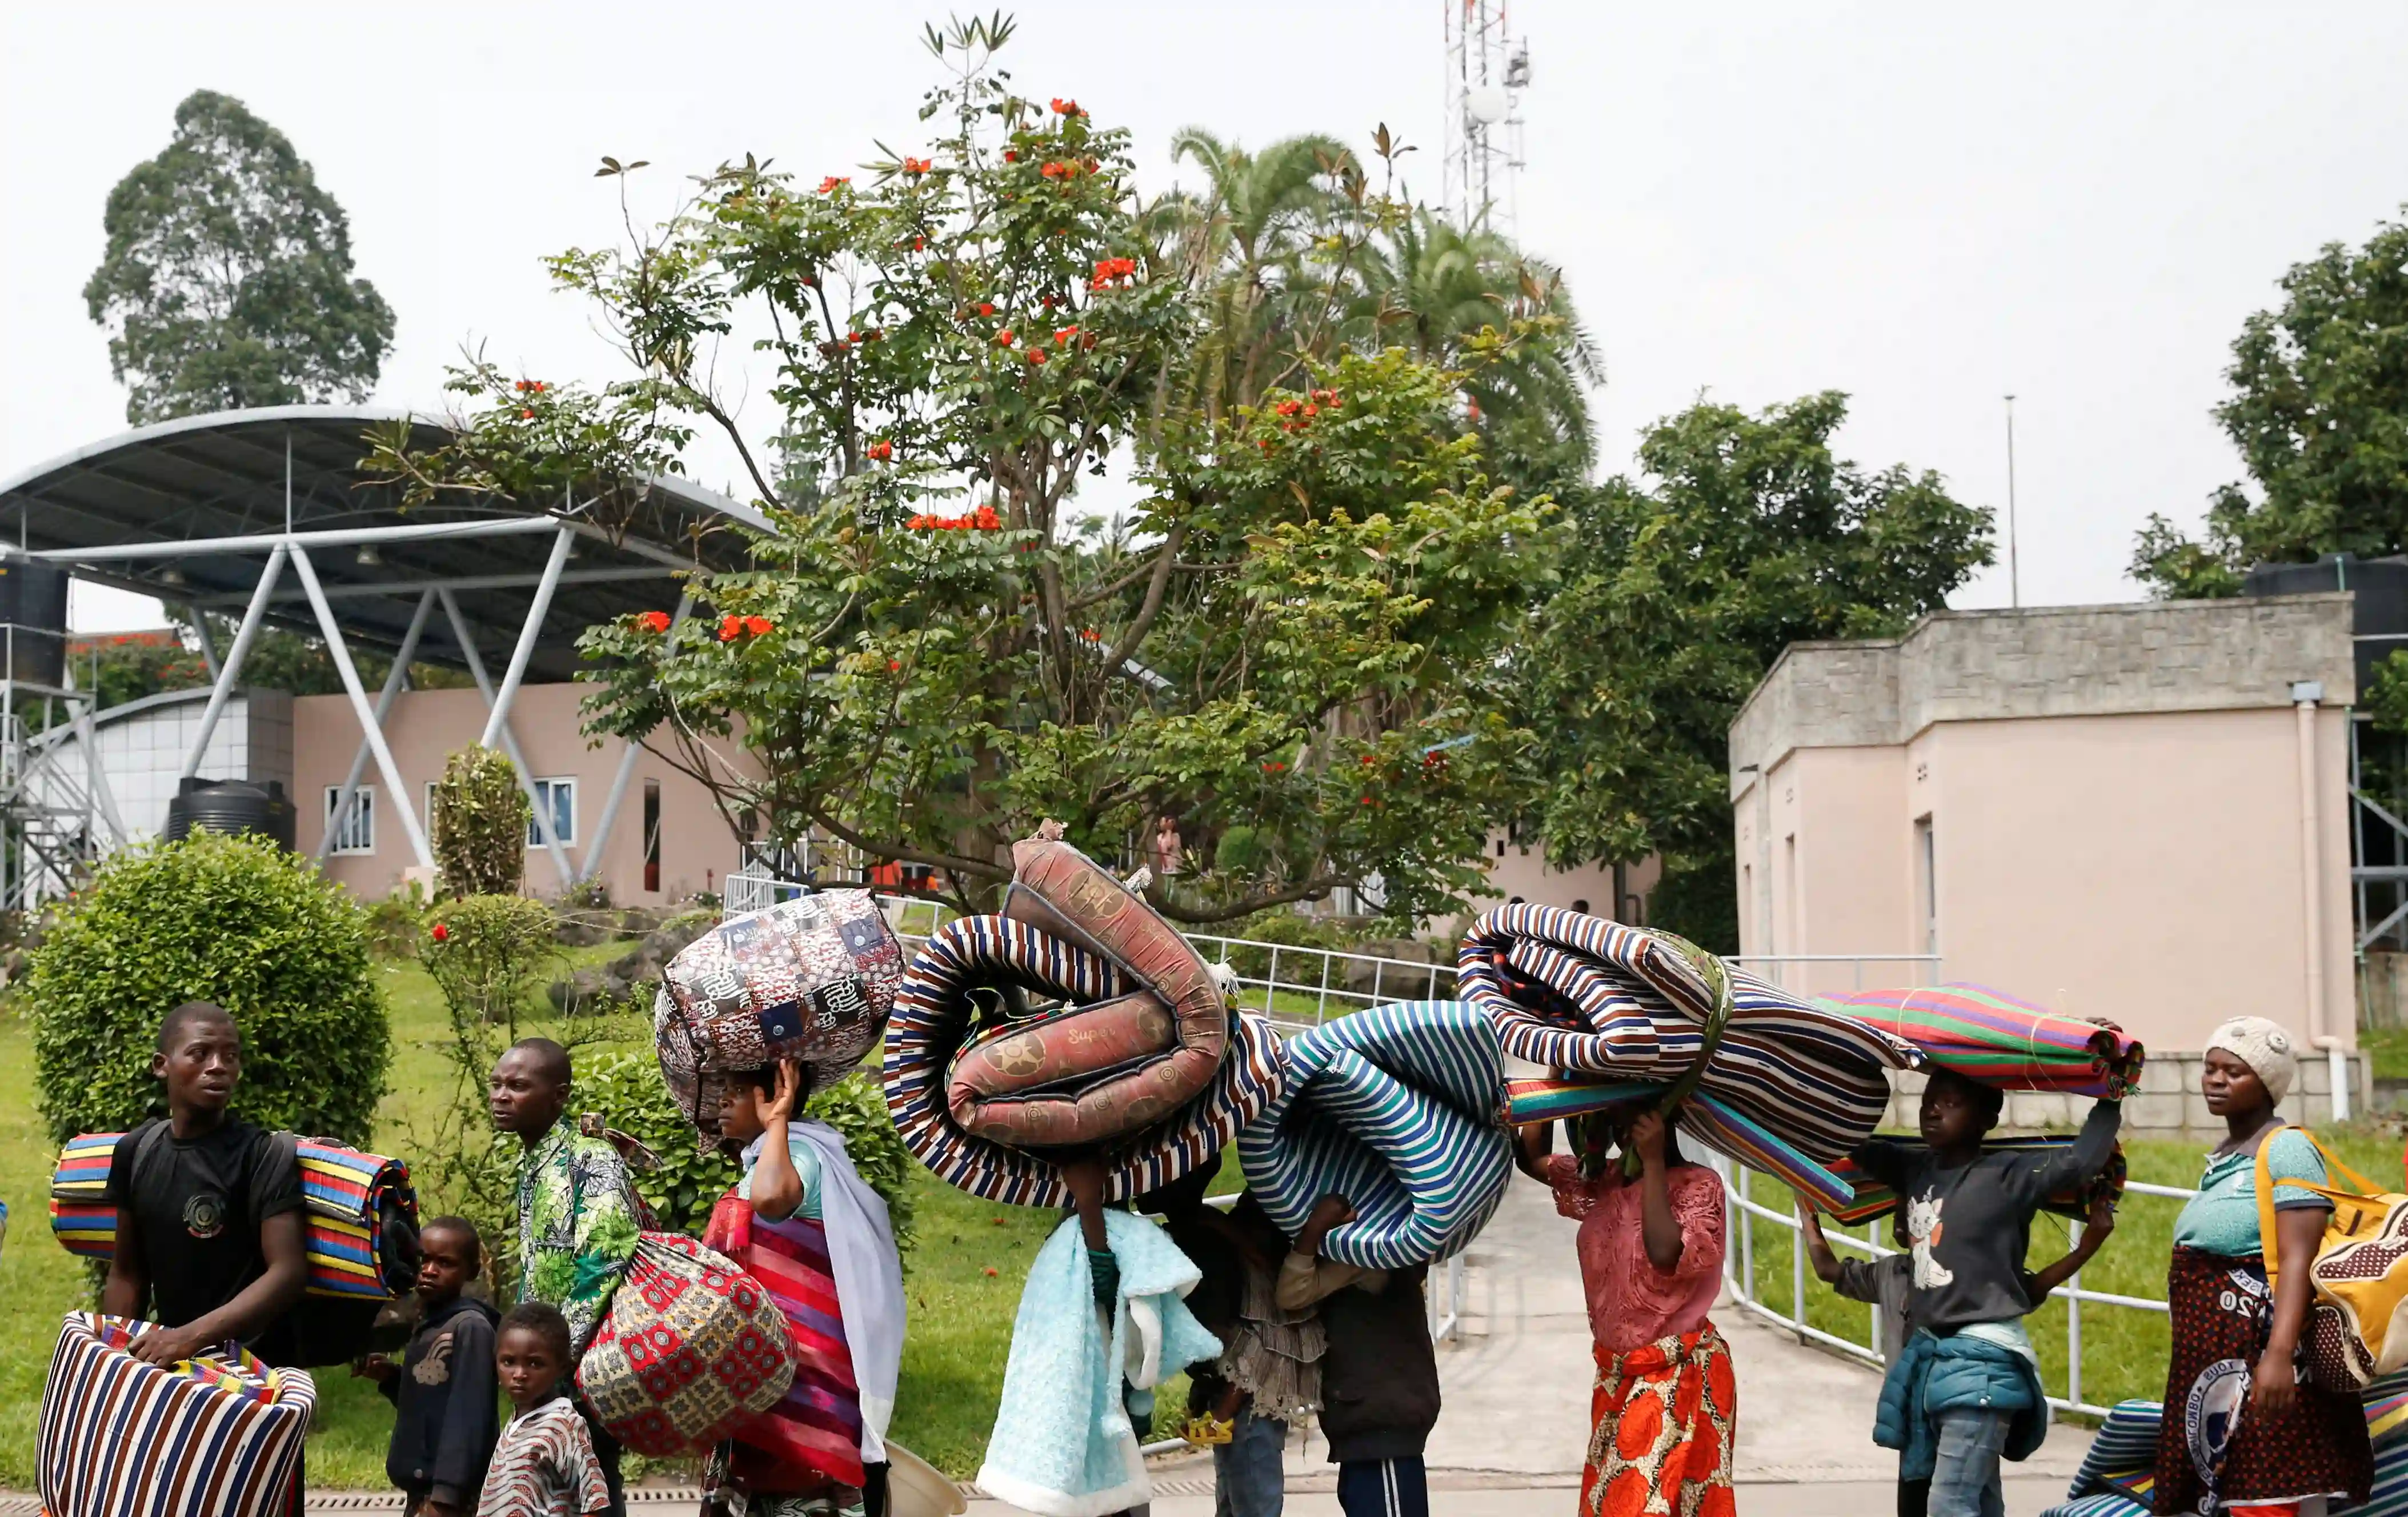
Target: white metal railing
{"x": 1739, "y": 1277}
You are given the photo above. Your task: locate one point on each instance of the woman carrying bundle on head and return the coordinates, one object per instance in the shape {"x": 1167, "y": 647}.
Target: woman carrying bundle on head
{"x": 1651, "y": 1257}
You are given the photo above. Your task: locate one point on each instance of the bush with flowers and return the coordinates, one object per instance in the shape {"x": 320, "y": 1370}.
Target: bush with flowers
{"x": 937, "y": 643}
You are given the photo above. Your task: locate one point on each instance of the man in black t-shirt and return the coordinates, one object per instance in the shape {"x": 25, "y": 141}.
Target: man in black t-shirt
{"x": 209, "y": 1209}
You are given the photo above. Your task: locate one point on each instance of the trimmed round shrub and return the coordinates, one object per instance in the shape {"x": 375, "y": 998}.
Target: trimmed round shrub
{"x": 236, "y": 920}
{"x": 479, "y": 827}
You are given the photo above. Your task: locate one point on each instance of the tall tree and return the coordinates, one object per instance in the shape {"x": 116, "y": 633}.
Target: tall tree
{"x": 227, "y": 282}
{"x": 1678, "y": 593}
{"x": 2319, "y": 412}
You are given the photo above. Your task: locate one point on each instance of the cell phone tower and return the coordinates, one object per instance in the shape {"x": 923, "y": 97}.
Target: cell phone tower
{"x": 1487, "y": 69}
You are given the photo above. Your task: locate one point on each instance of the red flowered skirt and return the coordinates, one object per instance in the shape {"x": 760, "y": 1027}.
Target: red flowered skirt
{"x": 1661, "y": 1422}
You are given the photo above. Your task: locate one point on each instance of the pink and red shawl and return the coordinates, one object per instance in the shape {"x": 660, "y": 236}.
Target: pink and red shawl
{"x": 1988, "y": 1036}
{"x": 814, "y": 1433}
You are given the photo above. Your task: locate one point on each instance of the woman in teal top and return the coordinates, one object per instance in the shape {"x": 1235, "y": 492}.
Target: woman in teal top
{"x": 2243, "y": 1425}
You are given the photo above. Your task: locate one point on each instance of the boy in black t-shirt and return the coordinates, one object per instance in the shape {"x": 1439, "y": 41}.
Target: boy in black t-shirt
{"x": 209, "y": 1209}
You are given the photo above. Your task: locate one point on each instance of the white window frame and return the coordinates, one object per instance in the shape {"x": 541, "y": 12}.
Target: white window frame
{"x": 546, "y": 789}
{"x": 362, "y": 819}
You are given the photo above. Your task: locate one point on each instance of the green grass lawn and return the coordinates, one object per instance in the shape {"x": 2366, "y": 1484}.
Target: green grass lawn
{"x": 952, "y": 1358}
{"x": 2124, "y": 1349}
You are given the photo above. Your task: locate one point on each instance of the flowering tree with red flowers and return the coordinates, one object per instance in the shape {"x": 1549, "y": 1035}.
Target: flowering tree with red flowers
{"x": 1293, "y": 637}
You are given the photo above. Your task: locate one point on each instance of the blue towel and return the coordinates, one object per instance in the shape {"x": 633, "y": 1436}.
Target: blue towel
{"x": 1395, "y": 1110}
{"x": 1063, "y": 1445}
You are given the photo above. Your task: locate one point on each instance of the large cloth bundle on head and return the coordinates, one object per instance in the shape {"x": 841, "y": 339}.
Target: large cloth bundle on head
{"x": 956, "y": 1005}
{"x": 1393, "y": 1108}
{"x": 123, "y": 1438}
{"x": 1598, "y": 1000}
{"x": 813, "y": 978}
{"x": 692, "y": 1347}
{"x": 1991, "y": 1037}
{"x": 359, "y": 1214}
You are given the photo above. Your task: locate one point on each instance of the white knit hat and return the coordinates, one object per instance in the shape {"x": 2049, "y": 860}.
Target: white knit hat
{"x": 2264, "y": 1046}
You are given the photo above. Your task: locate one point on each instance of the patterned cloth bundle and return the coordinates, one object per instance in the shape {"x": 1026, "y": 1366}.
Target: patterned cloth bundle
{"x": 1993, "y": 1038}
{"x": 2119, "y": 1474}
{"x": 956, "y": 1003}
{"x": 692, "y": 1347}
{"x": 1393, "y": 1108}
{"x": 1596, "y": 1000}
{"x": 123, "y": 1438}
{"x": 813, "y": 978}
{"x": 351, "y": 1202}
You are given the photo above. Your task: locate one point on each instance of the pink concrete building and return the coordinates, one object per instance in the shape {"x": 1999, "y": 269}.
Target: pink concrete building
{"x": 2139, "y": 812}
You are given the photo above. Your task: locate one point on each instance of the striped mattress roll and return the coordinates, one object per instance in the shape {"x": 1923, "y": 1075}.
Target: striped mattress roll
{"x": 122, "y": 1438}
{"x": 933, "y": 1019}
{"x": 1393, "y": 1108}
{"x": 1586, "y": 996}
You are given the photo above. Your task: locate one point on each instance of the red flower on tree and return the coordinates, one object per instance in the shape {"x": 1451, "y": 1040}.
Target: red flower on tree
{"x": 915, "y": 165}
{"x": 439, "y": 933}
{"x": 882, "y": 449}
{"x": 653, "y": 620}
{"x": 1004, "y": 337}
{"x": 1067, "y": 108}
{"x": 731, "y": 627}
{"x": 759, "y": 626}
{"x": 828, "y": 185}
{"x": 1037, "y": 355}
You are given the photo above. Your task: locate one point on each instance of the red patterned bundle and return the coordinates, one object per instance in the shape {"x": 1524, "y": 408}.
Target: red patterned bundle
{"x": 692, "y": 1347}
{"x": 123, "y": 1438}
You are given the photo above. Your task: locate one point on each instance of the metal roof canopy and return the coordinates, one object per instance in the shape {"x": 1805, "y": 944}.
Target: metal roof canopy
{"x": 182, "y": 509}
{"x": 114, "y": 512}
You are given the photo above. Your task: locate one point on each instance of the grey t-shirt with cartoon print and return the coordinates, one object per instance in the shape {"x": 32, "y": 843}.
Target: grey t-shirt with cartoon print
{"x": 1969, "y": 1225}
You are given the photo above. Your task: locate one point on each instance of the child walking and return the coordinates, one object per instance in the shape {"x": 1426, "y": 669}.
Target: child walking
{"x": 1965, "y": 1391}
{"x": 1379, "y": 1374}
{"x": 443, "y": 1390}
{"x": 804, "y": 1222}
{"x": 544, "y": 1464}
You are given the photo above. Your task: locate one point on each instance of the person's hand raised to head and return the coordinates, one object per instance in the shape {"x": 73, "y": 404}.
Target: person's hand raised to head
{"x": 786, "y": 1097}
{"x": 1646, "y": 1138}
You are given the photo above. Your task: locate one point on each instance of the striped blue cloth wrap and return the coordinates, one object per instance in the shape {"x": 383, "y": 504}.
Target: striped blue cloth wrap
{"x": 1395, "y": 1110}
{"x": 2118, "y": 1475}
{"x": 934, "y": 1013}
{"x": 1590, "y": 998}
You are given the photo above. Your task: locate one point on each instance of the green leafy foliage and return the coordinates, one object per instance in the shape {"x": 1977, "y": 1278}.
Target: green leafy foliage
{"x": 488, "y": 954}
{"x": 231, "y": 920}
{"x": 480, "y": 819}
{"x": 936, "y": 646}
{"x": 2319, "y": 412}
{"x": 1679, "y": 591}
{"x": 227, "y": 281}
{"x": 627, "y": 1091}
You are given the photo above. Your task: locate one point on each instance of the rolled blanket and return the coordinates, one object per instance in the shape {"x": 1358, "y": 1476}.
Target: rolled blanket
{"x": 1870, "y": 1198}
{"x": 1991, "y": 1037}
{"x": 812, "y": 979}
{"x": 123, "y": 1438}
{"x": 1393, "y": 1108}
{"x": 1714, "y": 1121}
{"x": 1582, "y": 995}
{"x": 958, "y": 995}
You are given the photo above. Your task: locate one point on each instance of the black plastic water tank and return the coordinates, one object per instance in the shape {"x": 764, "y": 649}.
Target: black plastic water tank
{"x": 2378, "y": 613}
{"x": 230, "y": 805}
{"x": 34, "y": 603}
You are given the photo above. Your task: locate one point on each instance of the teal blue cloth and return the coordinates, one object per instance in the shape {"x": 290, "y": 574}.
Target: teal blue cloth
{"x": 806, "y": 1168}
{"x": 2222, "y": 1219}
{"x": 1063, "y": 1444}
{"x": 1955, "y": 1373}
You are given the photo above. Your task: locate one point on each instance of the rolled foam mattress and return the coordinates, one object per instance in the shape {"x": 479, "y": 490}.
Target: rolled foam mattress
{"x": 1395, "y": 1109}
{"x": 957, "y": 1054}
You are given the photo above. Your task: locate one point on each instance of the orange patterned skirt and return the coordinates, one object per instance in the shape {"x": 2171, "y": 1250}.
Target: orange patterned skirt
{"x": 1660, "y": 1439}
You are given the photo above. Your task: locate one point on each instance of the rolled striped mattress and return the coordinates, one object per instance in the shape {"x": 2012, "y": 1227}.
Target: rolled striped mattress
{"x": 1590, "y": 998}
{"x": 118, "y": 1437}
{"x": 949, "y": 1000}
{"x": 1395, "y": 1110}
{"x": 1991, "y": 1037}
{"x": 347, "y": 1198}
{"x": 1871, "y": 1198}
{"x": 2119, "y": 1474}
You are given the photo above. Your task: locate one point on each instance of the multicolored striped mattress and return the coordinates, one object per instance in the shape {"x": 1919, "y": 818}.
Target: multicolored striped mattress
{"x": 1598, "y": 1000}
{"x": 2119, "y": 1474}
{"x": 936, "y": 1014}
{"x": 1713, "y": 1121}
{"x": 119, "y": 1437}
{"x": 347, "y": 1198}
{"x": 1395, "y": 1110}
{"x": 1991, "y": 1037}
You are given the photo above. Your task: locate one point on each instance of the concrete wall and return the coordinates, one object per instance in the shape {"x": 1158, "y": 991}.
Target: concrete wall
{"x": 1521, "y": 868}
{"x": 426, "y": 727}
{"x": 2114, "y": 801}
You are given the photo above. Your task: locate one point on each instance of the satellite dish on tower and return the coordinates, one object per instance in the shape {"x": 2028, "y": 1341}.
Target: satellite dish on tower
{"x": 1487, "y": 104}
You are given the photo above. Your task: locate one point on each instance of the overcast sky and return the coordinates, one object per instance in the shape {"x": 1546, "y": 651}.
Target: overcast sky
{"x": 1922, "y": 206}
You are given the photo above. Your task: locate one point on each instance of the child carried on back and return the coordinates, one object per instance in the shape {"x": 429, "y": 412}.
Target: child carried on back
{"x": 1965, "y": 1391}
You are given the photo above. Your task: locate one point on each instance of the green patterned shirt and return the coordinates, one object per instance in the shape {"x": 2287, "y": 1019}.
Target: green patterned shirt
{"x": 576, "y": 1226}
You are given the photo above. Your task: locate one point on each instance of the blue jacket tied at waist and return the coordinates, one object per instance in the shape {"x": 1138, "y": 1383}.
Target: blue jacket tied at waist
{"x": 1955, "y": 1373}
